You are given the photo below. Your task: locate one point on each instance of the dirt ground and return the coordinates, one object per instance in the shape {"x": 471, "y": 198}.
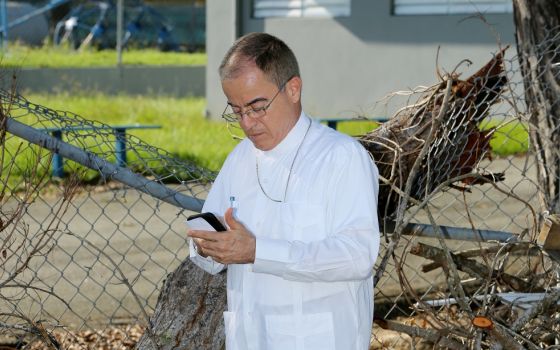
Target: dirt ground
{"x": 110, "y": 234}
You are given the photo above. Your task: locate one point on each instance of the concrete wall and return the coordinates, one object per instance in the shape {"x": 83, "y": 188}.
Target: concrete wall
{"x": 349, "y": 63}
{"x": 221, "y": 31}
{"x": 177, "y": 81}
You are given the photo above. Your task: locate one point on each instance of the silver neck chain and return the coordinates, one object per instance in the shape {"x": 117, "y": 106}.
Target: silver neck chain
{"x": 289, "y": 174}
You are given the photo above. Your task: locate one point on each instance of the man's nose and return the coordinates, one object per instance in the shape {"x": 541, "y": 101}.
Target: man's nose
{"x": 247, "y": 122}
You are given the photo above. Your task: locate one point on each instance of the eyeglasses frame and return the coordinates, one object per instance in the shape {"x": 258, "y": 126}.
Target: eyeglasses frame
{"x": 237, "y": 117}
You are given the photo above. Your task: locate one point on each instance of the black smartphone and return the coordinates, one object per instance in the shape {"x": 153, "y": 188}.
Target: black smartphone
{"x": 205, "y": 221}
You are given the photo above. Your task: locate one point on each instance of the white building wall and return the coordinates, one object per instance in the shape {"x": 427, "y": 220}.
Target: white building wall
{"x": 348, "y": 64}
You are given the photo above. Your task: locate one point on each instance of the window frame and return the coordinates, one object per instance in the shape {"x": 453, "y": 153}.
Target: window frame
{"x": 450, "y": 7}
{"x": 263, "y": 9}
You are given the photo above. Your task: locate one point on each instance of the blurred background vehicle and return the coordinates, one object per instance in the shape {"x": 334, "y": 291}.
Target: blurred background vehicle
{"x": 93, "y": 23}
{"x": 169, "y": 25}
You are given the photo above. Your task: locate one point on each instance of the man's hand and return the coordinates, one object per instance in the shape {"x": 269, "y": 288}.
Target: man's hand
{"x": 235, "y": 246}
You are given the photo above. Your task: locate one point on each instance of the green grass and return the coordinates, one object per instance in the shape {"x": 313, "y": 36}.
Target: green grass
{"x": 185, "y": 131}
{"x": 510, "y": 137}
{"x": 60, "y": 57}
{"x": 187, "y": 134}
{"x": 356, "y": 127}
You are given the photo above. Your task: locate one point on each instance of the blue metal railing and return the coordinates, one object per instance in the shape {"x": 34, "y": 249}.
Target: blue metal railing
{"x": 106, "y": 168}
{"x": 120, "y": 142}
{"x": 333, "y": 122}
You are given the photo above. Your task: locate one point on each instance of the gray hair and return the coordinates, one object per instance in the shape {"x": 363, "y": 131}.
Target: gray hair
{"x": 270, "y": 54}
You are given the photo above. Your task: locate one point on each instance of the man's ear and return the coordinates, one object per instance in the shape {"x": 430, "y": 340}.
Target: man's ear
{"x": 293, "y": 89}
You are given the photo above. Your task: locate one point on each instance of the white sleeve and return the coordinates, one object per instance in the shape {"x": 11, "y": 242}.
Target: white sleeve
{"x": 349, "y": 253}
{"x": 207, "y": 264}
{"x": 215, "y": 203}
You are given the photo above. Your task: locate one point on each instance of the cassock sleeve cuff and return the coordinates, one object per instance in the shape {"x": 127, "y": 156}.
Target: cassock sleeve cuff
{"x": 206, "y": 263}
{"x": 271, "y": 256}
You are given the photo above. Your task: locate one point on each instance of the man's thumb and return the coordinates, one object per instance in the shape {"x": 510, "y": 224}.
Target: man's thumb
{"x": 230, "y": 220}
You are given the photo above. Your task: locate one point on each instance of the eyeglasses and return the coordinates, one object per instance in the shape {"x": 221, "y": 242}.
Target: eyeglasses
{"x": 252, "y": 112}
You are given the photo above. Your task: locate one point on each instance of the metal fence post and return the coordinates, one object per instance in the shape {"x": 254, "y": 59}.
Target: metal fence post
{"x": 120, "y": 146}
{"x": 57, "y": 160}
{"x": 4, "y": 19}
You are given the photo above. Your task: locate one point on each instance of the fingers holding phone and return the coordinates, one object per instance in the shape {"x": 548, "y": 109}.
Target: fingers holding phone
{"x": 235, "y": 246}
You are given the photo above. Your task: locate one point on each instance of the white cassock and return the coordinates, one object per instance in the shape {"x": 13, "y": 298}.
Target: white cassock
{"x": 311, "y": 285}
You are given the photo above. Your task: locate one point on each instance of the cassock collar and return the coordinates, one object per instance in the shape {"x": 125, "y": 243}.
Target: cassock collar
{"x": 291, "y": 141}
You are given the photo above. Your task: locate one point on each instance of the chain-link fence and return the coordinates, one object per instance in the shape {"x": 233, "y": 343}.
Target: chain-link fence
{"x": 489, "y": 288}
{"x": 83, "y": 258}
{"x": 90, "y": 250}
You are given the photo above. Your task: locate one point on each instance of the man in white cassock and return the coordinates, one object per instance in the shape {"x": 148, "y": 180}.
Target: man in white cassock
{"x": 300, "y": 203}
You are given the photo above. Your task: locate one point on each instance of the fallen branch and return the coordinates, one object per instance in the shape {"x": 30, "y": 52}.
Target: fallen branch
{"x": 540, "y": 308}
{"x": 472, "y": 267}
{"x": 499, "y": 333}
{"x": 471, "y": 253}
{"x": 435, "y": 336}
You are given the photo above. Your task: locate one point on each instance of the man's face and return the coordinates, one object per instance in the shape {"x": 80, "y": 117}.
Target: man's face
{"x": 251, "y": 89}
